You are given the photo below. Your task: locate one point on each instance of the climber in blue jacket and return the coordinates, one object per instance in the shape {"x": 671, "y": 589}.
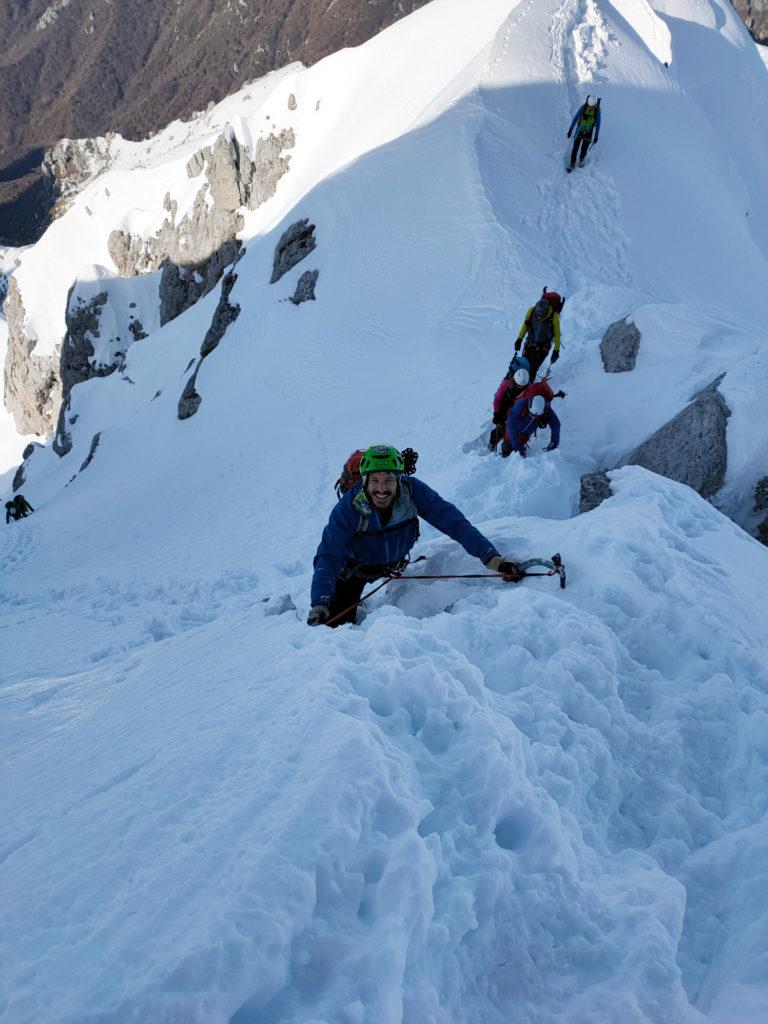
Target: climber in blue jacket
{"x": 525, "y": 418}
{"x": 586, "y": 122}
{"x": 373, "y": 528}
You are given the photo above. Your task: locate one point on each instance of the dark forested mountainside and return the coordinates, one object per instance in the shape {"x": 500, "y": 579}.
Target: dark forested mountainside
{"x": 79, "y": 68}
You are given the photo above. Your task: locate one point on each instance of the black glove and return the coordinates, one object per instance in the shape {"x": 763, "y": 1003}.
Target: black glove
{"x": 559, "y": 394}
{"x": 318, "y": 615}
{"x": 518, "y": 343}
{"x": 509, "y": 570}
{"x": 555, "y": 356}
{"x": 569, "y": 135}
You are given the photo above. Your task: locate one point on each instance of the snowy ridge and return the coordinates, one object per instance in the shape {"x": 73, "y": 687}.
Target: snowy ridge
{"x": 485, "y": 802}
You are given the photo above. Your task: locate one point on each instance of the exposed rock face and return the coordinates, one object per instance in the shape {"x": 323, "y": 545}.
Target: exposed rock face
{"x": 761, "y": 505}
{"x": 190, "y": 400}
{"x": 595, "y": 488}
{"x": 195, "y": 251}
{"x": 32, "y": 387}
{"x": 181, "y": 287}
{"x": 305, "y": 287}
{"x": 91, "y": 452}
{"x": 619, "y": 347}
{"x": 692, "y": 447}
{"x": 295, "y": 244}
{"x": 77, "y": 351}
{"x": 224, "y": 314}
{"x": 754, "y": 14}
{"x": 72, "y": 163}
{"x": 21, "y": 473}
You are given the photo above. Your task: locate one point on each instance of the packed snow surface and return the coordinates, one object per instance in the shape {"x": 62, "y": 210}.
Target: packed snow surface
{"x": 486, "y": 802}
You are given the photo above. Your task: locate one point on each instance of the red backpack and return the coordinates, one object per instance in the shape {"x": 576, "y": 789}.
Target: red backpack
{"x": 350, "y": 473}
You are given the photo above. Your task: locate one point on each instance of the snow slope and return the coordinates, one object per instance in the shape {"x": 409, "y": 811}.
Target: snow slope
{"x": 486, "y": 802}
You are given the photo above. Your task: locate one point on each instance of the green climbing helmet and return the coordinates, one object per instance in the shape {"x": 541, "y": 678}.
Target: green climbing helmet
{"x": 381, "y": 458}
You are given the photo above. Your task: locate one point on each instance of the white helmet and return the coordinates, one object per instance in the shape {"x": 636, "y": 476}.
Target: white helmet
{"x": 591, "y": 101}
{"x": 537, "y": 405}
{"x": 521, "y": 377}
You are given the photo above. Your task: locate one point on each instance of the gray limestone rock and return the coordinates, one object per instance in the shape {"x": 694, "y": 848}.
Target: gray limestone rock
{"x": 181, "y": 287}
{"x": 595, "y": 488}
{"x": 761, "y": 504}
{"x": 76, "y": 360}
{"x": 295, "y": 244}
{"x": 21, "y": 472}
{"x": 223, "y": 316}
{"x": 92, "y": 451}
{"x": 190, "y": 400}
{"x": 232, "y": 179}
{"x": 755, "y": 16}
{"x": 32, "y": 391}
{"x": 305, "y": 287}
{"x": 692, "y": 447}
{"x": 71, "y": 164}
{"x": 292, "y": 104}
{"x": 619, "y": 347}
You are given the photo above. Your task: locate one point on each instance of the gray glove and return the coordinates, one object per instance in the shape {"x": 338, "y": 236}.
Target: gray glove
{"x": 318, "y": 615}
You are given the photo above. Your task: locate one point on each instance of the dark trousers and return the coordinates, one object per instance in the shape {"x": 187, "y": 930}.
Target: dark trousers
{"x": 583, "y": 141}
{"x": 535, "y": 354}
{"x": 348, "y": 592}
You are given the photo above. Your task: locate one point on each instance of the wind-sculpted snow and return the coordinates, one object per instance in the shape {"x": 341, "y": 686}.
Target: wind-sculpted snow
{"x": 486, "y": 801}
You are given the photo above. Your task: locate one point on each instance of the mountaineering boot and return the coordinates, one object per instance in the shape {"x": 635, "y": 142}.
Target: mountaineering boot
{"x": 581, "y": 163}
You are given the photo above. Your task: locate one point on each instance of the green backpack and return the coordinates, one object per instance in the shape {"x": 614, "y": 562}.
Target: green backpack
{"x": 588, "y": 118}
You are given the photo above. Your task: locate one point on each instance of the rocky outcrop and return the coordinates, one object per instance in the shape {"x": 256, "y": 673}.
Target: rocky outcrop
{"x": 761, "y": 505}
{"x": 71, "y": 164}
{"x": 76, "y": 362}
{"x": 305, "y": 287}
{"x": 296, "y": 243}
{"x": 692, "y": 447}
{"x": 32, "y": 391}
{"x": 224, "y": 314}
{"x": 754, "y": 14}
{"x": 195, "y": 250}
{"x": 21, "y": 473}
{"x": 181, "y": 287}
{"x": 619, "y": 347}
{"x": 190, "y": 400}
{"x": 595, "y": 488}
{"x": 91, "y": 452}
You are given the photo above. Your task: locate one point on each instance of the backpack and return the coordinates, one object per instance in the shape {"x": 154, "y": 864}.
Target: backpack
{"x": 540, "y": 327}
{"x": 588, "y": 118}
{"x": 350, "y": 473}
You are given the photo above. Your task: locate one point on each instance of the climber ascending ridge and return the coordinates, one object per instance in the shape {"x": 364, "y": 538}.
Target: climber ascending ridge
{"x": 586, "y": 122}
{"x": 541, "y": 330}
{"x": 373, "y": 528}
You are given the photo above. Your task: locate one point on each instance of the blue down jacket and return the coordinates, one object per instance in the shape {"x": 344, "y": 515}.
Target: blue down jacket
{"x": 520, "y": 423}
{"x": 355, "y": 532}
